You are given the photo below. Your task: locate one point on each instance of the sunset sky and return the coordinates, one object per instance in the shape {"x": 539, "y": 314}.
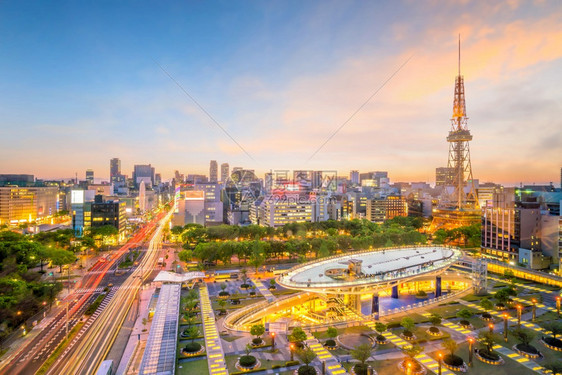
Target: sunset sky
{"x": 80, "y": 84}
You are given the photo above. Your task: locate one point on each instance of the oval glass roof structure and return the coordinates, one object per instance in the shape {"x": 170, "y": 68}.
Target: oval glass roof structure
{"x": 362, "y": 270}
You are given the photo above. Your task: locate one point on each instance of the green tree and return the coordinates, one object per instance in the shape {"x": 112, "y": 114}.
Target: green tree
{"x": 222, "y": 304}
{"x": 464, "y": 314}
{"x": 61, "y": 257}
{"x": 380, "y": 327}
{"x": 407, "y": 323}
{"x": 192, "y": 333}
{"x": 306, "y": 355}
{"x": 257, "y": 330}
{"x": 362, "y": 353}
{"x": 332, "y": 332}
{"x": 185, "y": 255}
{"x": 298, "y": 335}
{"x": 488, "y": 339}
{"x": 450, "y": 345}
{"x": 524, "y": 337}
{"x": 486, "y": 304}
{"x": 435, "y": 319}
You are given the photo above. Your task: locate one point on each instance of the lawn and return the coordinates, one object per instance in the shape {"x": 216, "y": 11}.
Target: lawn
{"x": 198, "y": 366}
{"x": 449, "y": 311}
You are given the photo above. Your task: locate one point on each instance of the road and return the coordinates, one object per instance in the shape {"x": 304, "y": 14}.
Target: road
{"x": 33, "y": 353}
{"x": 86, "y": 355}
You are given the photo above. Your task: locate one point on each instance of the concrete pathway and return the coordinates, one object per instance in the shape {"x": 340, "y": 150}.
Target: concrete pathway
{"x": 213, "y": 345}
{"x": 333, "y": 367}
{"x": 264, "y": 290}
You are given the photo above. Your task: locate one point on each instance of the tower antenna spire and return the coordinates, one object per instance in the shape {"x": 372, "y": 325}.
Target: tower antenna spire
{"x": 459, "y": 54}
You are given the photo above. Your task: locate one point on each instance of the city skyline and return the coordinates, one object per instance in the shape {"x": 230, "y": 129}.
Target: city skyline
{"x": 280, "y": 81}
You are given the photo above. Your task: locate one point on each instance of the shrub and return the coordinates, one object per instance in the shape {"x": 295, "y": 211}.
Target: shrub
{"x": 291, "y": 363}
{"x": 361, "y": 369}
{"x": 527, "y": 348}
{"x": 245, "y": 286}
{"x": 489, "y": 356}
{"x": 486, "y": 315}
{"x": 381, "y": 338}
{"x": 330, "y": 342}
{"x": 252, "y": 293}
{"x": 257, "y": 341}
{"x": 407, "y": 333}
{"x": 307, "y": 370}
{"x": 464, "y": 322}
{"x": 553, "y": 342}
{"x": 453, "y": 360}
{"x": 433, "y": 329}
{"x": 247, "y": 361}
{"x": 192, "y": 347}
{"x": 223, "y": 294}
{"x": 393, "y": 325}
{"x": 421, "y": 293}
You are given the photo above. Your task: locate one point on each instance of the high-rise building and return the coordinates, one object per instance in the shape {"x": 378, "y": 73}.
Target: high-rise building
{"x": 142, "y": 197}
{"x": 27, "y": 204}
{"x": 213, "y": 171}
{"x": 382, "y": 209}
{"x": 444, "y": 176}
{"x": 354, "y": 177}
{"x": 213, "y": 203}
{"x": 143, "y": 173}
{"x": 90, "y": 176}
{"x": 115, "y": 170}
{"x": 225, "y": 170}
{"x": 458, "y": 205}
{"x": 191, "y": 208}
{"x": 21, "y": 180}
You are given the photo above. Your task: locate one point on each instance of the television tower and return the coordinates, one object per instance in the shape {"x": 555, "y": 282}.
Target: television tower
{"x": 459, "y": 152}
{"x": 458, "y": 205}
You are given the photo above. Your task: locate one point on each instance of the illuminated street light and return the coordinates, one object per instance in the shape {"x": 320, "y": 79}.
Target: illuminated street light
{"x": 292, "y": 348}
{"x": 273, "y": 340}
{"x": 534, "y": 309}
{"x": 470, "y": 350}
{"x": 558, "y": 305}
{"x": 491, "y": 326}
{"x": 519, "y": 308}
{"x": 505, "y": 316}
{"x": 440, "y": 356}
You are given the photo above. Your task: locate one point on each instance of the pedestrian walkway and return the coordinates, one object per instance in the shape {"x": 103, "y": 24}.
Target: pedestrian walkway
{"x": 511, "y": 319}
{"x": 213, "y": 345}
{"x": 451, "y": 325}
{"x": 532, "y": 365}
{"x": 539, "y": 305}
{"x": 264, "y": 290}
{"x": 333, "y": 367}
{"x": 532, "y": 287}
{"x": 432, "y": 365}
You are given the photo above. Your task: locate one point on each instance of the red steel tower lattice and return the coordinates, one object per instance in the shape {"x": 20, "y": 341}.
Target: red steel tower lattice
{"x": 459, "y": 153}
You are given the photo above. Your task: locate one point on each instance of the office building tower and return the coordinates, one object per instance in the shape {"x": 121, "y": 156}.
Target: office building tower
{"x": 115, "y": 170}
{"x": 27, "y": 204}
{"x": 225, "y": 172}
{"x": 354, "y": 177}
{"x": 382, "y": 209}
{"x": 143, "y": 173}
{"x": 90, "y": 176}
{"x": 213, "y": 171}
{"x": 444, "y": 176}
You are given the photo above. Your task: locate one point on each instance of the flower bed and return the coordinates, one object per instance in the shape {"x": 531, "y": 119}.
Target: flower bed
{"x": 434, "y": 331}
{"x": 358, "y": 369}
{"x": 484, "y": 356}
{"x": 380, "y": 339}
{"x": 257, "y": 342}
{"x": 528, "y": 351}
{"x": 552, "y": 343}
{"x": 193, "y": 349}
{"x": 407, "y": 335}
{"x": 454, "y": 363}
{"x": 330, "y": 344}
{"x": 465, "y": 324}
{"x": 487, "y": 317}
{"x": 247, "y": 363}
{"x": 305, "y": 370}
{"x": 416, "y": 368}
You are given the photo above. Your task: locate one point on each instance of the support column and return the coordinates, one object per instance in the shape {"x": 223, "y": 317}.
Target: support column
{"x": 395, "y": 291}
{"x": 437, "y": 286}
{"x": 375, "y": 306}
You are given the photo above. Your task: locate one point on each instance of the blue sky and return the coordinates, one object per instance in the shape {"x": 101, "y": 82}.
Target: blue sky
{"x": 79, "y": 85}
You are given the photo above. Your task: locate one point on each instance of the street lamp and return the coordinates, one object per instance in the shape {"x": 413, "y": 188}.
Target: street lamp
{"x": 272, "y": 340}
{"x": 470, "y": 343}
{"x": 519, "y": 308}
{"x": 534, "y": 309}
{"x": 440, "y": 356}
{"x": 558, "y": 305}
{"x": 409, "y": 369}
{"x": 491, "y": 326}
{"x": 292, "y": 349}
{"x": 505, "y": 316}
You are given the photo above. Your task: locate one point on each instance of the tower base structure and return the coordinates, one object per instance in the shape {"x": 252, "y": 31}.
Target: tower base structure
{"x": 452, "y": 218}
